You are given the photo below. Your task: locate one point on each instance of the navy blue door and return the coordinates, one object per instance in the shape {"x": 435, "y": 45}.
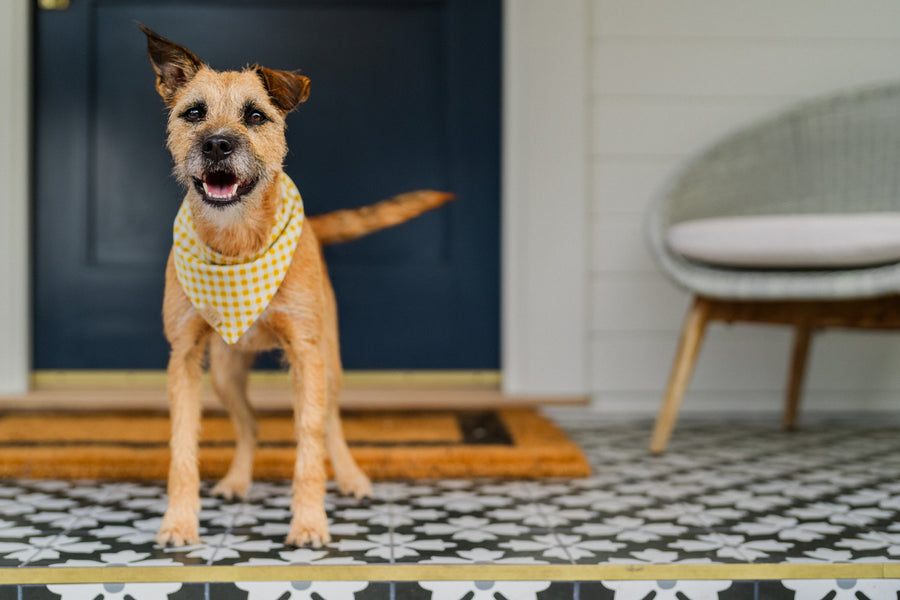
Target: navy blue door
{"x": 404, "y": 95}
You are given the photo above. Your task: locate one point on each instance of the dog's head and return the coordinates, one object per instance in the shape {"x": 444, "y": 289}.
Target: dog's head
{"x": 226, "y": 128}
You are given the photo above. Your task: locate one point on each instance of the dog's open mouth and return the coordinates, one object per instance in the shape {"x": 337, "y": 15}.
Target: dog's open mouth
{"x": 221, "y": 188}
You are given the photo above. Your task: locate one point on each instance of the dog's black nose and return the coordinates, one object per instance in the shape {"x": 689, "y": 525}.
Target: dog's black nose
{"x": 216, "y": 148}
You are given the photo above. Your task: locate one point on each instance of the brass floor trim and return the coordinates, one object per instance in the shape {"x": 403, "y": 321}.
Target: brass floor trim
{"x": 636, "y": 572}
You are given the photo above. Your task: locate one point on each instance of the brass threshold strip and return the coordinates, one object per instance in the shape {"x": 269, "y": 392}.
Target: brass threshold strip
{"x": 671, "y": 572}
{"x": 428, "y": 378}
{"x": 270, "y": 390}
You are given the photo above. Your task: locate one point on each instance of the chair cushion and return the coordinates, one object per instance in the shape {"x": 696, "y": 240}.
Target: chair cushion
{"x": 807, "y": 241}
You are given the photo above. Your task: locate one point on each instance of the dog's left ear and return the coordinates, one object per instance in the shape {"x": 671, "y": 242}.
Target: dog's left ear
{"x": 286, "y": 89}
{"x": 174, "y": 65}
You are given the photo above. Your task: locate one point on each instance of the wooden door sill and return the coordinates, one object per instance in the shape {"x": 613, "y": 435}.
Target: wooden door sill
{"x": 363, "y": 390}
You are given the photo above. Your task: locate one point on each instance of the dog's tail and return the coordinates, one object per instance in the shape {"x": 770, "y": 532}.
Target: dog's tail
{"x": 346, "y": 225}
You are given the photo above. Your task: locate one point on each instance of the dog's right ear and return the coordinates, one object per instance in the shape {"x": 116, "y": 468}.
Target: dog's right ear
{"x": 174, "y": 65}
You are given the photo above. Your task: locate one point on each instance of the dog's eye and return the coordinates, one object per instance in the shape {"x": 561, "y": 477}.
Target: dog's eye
{"x": 194, "y": 114}
{"x": 254, "y": 117}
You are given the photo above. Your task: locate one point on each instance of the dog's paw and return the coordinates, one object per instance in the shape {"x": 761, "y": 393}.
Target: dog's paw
{"x": 306, "y": 530}
{"x": 232, "y": 488}
{"x": 178, "y": 530}
{"x": 357, "y": 485}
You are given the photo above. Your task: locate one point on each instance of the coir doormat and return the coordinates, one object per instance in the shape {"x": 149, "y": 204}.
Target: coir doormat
{"x": 515, "y": 443}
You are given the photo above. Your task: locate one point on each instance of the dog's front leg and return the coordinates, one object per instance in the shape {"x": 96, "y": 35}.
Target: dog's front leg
{"x": 180, "y": 524}
{"x": 309, "y": 524}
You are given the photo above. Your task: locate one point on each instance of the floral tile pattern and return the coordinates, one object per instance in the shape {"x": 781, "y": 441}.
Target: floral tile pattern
{"x": 741, "y": 493}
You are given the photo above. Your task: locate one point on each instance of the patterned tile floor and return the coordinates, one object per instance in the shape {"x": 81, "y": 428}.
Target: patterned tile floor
{"x": 716, "y": 517}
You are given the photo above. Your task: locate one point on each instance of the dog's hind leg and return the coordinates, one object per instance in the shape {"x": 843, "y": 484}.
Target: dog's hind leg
{"x": 228, "y": 369}
{"x": 350, "y": 478}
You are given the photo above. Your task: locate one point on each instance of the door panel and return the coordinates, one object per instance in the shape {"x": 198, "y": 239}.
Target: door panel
{"x": 404, "y": 95}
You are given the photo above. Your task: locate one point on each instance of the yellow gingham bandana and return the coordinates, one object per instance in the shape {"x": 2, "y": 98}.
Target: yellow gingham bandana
{"x": 232, "y": 292}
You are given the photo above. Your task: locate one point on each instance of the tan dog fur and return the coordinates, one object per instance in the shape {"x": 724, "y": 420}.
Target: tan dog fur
{"x": 301, "y": 318}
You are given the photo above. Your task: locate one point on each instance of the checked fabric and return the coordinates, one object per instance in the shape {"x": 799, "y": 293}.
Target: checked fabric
{"x": 232, "y": 292}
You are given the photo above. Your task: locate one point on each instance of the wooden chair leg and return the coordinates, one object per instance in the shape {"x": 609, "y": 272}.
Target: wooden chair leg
{"x": 796, "y": 375}
{"x": 688, "y": 348}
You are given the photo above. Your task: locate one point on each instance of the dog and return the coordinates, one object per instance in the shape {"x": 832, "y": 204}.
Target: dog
{"x": 226, "y": 134}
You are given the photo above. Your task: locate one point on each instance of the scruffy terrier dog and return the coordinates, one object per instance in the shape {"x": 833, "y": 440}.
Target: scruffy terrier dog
{"x": 245, "y": 275}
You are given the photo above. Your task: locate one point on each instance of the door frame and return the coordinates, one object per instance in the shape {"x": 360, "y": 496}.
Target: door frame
{"x": 545, "y": 198}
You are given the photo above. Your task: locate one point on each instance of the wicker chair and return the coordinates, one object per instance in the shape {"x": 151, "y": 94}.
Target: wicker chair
{"x": 837, "y": 155}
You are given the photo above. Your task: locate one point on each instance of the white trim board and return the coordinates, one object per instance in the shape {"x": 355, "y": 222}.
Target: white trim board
{"x": 15, "y": 108}
{"x": 545, "y": 197}
{"x": 545, "y": 200}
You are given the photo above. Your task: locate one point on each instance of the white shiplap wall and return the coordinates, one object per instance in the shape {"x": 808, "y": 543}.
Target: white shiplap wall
{"x": 669, "y": 78}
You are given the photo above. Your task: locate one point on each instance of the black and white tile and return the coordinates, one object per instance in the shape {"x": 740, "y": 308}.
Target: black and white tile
{"x": 740, "y": 493}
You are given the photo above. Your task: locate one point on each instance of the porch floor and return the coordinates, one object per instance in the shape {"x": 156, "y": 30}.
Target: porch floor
{"x": 735, "y": 510}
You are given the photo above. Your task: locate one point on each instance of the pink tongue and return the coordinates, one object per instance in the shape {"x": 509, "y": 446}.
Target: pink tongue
{"x": 221, "y": 185}
{"x": 221, "y": 190}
